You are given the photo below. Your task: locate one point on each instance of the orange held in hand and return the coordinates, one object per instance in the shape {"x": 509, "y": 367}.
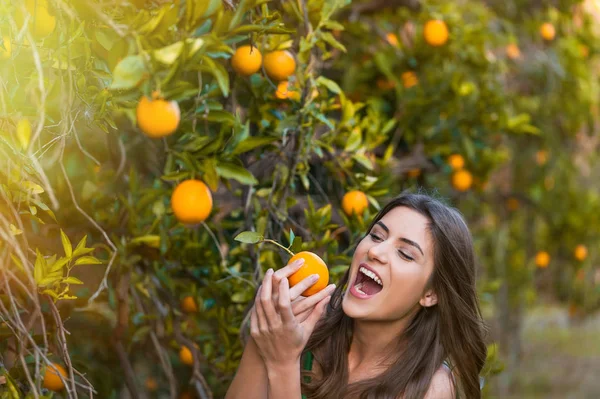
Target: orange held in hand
{"x": 279, "y": 65}
{"x": 52, "y": 380}
{"x": 435, "y": 32}
{"x": 157, "y": 117}
{"x": 246, "y": 60}
{"x": 191, "y": 202}
{"x": 355, "y": 202}
{"x": 313, "y": 264}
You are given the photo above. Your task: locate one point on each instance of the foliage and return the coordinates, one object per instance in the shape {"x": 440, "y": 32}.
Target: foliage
{"x": 76, "y": 168}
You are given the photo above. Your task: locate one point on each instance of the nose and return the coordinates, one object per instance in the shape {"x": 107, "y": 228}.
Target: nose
{"x": 378, "y": 252}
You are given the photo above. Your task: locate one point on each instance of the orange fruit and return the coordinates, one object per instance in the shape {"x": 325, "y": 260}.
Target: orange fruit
{"x": 354, "y": 202}
{"x": 279, "y": 65}
{"x": 512, "y": 204}
{"x": 151, "y": 384}
{"x": 541, "y": 157}
{"x": 409, "y": 79}
{"x": 188, "y": 304}
{"x": 580, "y": 252}
{"x": 435, "y": 32}
{"x": 284, "y": 91}
{"x": 191, "y": 202}
{"x": 512, "y": 51}
{"x": 313, "y": 264}
{"x": 157, "y": 117}
{"x": 414, "y": 173}
{"x": 462, "y": 180}
{"x": 542, "y": 259}
{"x": 185, "y": 355}
{"x": 385, "y": 84}
{"x": 547, "y": 31}
{"x": 392, "y": 39}
{"x": 5, "y": 52}
{"x": 41, "y": 22}
{"x": 456, "y": 161}
{"x": 246, "y": 60}
{"x": 51, "y": 379}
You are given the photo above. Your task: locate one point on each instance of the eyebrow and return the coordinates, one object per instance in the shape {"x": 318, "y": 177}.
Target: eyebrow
{"x": 406, "y": 240}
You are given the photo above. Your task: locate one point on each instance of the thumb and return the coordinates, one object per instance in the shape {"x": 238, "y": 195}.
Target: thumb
{"x": 316, "y": 314}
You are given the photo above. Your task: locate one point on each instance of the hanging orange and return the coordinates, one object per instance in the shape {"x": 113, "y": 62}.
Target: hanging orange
{"x": 157, "y": 117}
{"x": 279, "y": 65}
{"x": 246, "y": 60}
{"x": 354, "y": 202}
{"x": 191, "y": 202}
{"x": 51, "y": 379}
{"x": 436, "y": 32}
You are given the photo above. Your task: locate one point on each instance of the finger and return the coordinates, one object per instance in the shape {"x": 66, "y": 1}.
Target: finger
{"x": 303, "y": 285}
{"x": 303, "y": 316}
{"x": 266, "y": 301}
{"x": 311, "y": 301}
{"x": 261, "y": 318}
{"x": 289, "y": 269}
{"x": 315, "y": 316}
{"x": 284, "y": 306}
{"x": 254, "y": 331}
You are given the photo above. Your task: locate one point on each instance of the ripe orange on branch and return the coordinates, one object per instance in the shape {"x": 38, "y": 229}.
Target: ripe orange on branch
{"x": 157, "y": 117}
{"x": 354, "y": 202}
{"x": 547, "y": 31}
{"x": 246, "y": 60}
{"x": 542, "y": 259}
{"x": 188, "y": 304}
{"x": 191, "y": 202}
{"x": 279, "y": 65}
{"x": 52, "y": 380}
{"x": 436, "y": 32}
{"x": 580, "y": 252}
{"x": 313, "y": 264}
{"x": 462, "y": 180}
{"x": 456, "y": 161}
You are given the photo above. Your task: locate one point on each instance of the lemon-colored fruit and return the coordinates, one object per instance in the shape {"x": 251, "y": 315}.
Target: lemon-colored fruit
{"x": 41, "y": 21}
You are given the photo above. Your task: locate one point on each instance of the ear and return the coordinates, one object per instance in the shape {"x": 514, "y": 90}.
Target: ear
{"x": 428, "y": 299}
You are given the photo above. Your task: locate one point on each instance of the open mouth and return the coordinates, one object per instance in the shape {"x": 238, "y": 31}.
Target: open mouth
{"x": 366, "y": 284}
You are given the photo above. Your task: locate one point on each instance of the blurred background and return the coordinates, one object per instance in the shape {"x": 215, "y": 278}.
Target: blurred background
{"x": 138, "y": 138}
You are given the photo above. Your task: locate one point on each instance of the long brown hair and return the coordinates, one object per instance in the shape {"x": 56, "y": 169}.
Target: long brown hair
{"x": 452, "y": 330}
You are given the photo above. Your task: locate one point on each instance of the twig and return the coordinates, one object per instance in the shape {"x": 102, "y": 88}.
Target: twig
{"x": 65, "y": 350}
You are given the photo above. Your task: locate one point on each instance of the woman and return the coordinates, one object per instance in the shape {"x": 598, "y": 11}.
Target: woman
{"x": 404, "y": 322}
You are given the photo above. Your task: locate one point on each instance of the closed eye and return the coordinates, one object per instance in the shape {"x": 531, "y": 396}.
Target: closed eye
{"x": 405, "y": 256}
{"x": 375, "y": 237}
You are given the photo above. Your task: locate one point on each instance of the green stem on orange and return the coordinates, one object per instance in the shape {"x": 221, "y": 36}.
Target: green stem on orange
{"x": 279, "y": 245}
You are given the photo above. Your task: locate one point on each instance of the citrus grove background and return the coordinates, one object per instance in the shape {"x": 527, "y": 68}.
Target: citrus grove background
{"x": 138, "y": 138}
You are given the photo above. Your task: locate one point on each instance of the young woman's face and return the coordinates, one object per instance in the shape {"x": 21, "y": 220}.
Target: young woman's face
{"x": 390, "y": 268}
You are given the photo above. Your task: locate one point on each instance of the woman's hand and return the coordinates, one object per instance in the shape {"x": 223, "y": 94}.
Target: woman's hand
{"x": 282, "y": 321}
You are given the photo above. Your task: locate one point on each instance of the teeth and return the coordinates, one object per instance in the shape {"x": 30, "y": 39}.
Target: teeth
{"x": 372, "y": 275}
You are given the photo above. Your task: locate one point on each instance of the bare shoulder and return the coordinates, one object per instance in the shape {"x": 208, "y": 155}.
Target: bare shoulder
{"x": 442, "y": 385}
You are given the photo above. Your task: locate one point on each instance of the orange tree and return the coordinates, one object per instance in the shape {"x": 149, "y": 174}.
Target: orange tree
{"x": 155, "y": 132}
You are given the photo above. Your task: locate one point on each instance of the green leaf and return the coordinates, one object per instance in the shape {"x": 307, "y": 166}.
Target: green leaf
{"x": 329, "y": 84}
{"x": 128, "y": 73}
{"x": 292, "y": 236}
{"x": 18, "y": 262}
{"x": 219, "y": 72}
{"x": 39, "y": 268}
{"x": 169, "y": 54}
{"x": 251, "y": 143}
{"x": 72, "y": 280}
{"x": 354, "y": 140}
{"x": 150, "y": 240}
{"x": 249, "y": 237}
{"x": 66, "y": 244}
{"x": 87, "y": 260}
{"x": 219, "y": 117}
{"x": 24, "y": 133}
{"x": 58, "y": 265}
{"x": 363, "y": 160}
{"x": 232, "y": 171}
{"x": 31, "y": 188}
{"x": 328, "y": 38}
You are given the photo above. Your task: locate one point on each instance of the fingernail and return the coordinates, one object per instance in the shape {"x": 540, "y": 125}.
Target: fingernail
{"x": 314, "y": 277}
{"x": 299, "y": 262}
{"x": 270, "y": 271}
{"x": 331, "y": 287}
